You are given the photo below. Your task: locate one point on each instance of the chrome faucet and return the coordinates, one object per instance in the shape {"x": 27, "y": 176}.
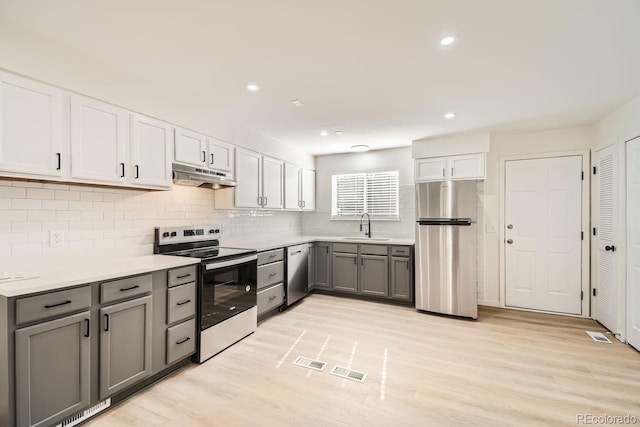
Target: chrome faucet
{"x": 368, "y": 233}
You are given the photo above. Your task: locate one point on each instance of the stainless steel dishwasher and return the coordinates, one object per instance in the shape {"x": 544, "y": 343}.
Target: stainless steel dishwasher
{"x": 297, "y": 272}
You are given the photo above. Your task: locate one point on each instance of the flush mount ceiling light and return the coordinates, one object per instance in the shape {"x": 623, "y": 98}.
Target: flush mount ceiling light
{"x": 297, "y": 103}
{"x": 338, "y": 132}
{"x": 448, "y": 40}
{"x": 360, "y": 148}
{"x": 252, "y": 87}
{"x": 450, "y": 115}
{"x": 324, "y": 133}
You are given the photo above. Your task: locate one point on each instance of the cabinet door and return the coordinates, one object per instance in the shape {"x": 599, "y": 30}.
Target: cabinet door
{"x": 374, "y": 275}
{"x": 189, "y": 148}
{"x": 30, "y": 127}
{"x": 248, "y": 179}
{"x": 432, "y": 169}
{"x": 322, "y": 266}
{"x": 272, "y": 183}
{"x": 52, "y": 370}
{"x": 345, "y": 272}
{"x": 220, "y": 156}
{"x": 312, "y": 266}
{"x": 308, "y": 189}
{"x": 98, "y": 140}
{"x": 124, "y": 326}
{"x": 467, "y": 167}
{"x": 292, "y": 187}
{"x": 150, "y": 152}
{"x": 401, "y": 279}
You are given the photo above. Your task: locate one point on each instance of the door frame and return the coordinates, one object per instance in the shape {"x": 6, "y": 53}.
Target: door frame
{"x": 586, "y": 241}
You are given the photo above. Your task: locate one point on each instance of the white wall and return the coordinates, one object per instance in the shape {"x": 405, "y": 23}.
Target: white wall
{"x": 320, "y": 223}
{"x": 27, "y": 53}
{"x": 557, "y": 140}
{"x": 107, "y": 220}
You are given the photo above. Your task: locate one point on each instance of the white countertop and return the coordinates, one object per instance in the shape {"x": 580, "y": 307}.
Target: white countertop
{"x": 280, "y": 242}
{"x": 61, "y": 271}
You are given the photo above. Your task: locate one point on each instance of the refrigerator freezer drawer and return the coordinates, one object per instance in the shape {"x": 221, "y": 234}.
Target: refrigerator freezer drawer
{"x": 446, "y": 269}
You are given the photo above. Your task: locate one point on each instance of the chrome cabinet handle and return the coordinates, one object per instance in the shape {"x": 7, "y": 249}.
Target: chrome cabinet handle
{"x": 509, "y": 241}
{"x": 510, "y": 226}
{"x": 272, "y": 297}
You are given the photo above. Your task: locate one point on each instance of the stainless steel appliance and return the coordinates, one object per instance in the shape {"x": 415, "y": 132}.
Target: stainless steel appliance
{"x": 227, "y": 285}
{"x": 446, "y": 248}
{"x": 297, "y": 272}
{"x": 198, "y": 177}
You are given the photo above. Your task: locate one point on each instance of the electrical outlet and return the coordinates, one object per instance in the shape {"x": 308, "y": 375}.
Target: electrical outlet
{"x": 56, "y": 238}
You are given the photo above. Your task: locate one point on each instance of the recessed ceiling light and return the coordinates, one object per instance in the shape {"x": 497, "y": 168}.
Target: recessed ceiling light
{"x": 360, "y": 148}
{"x": 446, "y": 41}
{"x": 297, "y": 103}
{"x": 338, "y": 132}
{"x": 252, "y": 87}
{"x": 324, "y": 133}
{"x": 449, "y": 115}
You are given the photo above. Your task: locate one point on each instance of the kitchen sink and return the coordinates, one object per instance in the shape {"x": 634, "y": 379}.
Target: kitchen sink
{"x": 376, "y": 239}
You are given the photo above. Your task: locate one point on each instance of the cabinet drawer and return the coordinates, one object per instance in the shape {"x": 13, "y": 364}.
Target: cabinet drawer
{"x": 270, "y": 256}
{"x": 181, "y": 302}
{"x": 52, "y": 304}
{"x": 178, "y": 276}
{"x": 270, "y": 274}
{"x": 125, "y": 288}
{"x": 270, "y": 298}
{"x": 350, "y": 248}
{"x": 181, "y": 341}
{"x": 373, "y": 249}
{"x": 401, "y": 250}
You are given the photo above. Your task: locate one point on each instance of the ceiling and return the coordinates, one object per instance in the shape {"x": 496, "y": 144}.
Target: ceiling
{"x": 373, "y": 69}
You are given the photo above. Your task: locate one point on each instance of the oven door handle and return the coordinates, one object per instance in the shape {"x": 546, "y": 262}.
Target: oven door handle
{"x": 237, "y": 261}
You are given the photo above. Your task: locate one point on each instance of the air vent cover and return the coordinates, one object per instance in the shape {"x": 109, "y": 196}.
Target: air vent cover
{"x": 309, "y": 363}
{"x": 350, "y": 374}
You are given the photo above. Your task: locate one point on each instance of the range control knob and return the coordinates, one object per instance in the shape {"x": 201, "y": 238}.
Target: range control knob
{"x": 212, "y": 231}
{"x": 217, "y": 230}
{"x": 174, "y": 234}
{"x": 165, "y": 234}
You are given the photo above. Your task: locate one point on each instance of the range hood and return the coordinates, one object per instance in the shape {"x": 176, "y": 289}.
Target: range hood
{"x": 198, "y": 177}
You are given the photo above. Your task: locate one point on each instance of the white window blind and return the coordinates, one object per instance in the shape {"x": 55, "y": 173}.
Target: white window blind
{"x": 375, "y": 193}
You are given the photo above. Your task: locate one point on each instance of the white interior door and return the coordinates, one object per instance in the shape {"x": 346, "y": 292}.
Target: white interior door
{"x": 543, "y": 241}
{"x": 605, "y": 280}
{"x": 633, "y": 243}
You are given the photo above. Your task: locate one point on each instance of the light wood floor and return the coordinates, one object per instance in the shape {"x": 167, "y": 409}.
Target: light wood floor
{"x": 507, "y": 368}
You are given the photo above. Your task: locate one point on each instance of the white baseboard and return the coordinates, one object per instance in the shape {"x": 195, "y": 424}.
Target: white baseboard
{"x": 489, "y": 303}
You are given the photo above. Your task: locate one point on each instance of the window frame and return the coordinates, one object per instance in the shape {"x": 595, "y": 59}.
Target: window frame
{"x": 357, "y": 216}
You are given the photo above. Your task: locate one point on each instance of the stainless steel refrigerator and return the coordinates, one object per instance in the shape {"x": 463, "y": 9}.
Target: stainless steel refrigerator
{"x": 446, "y": 248}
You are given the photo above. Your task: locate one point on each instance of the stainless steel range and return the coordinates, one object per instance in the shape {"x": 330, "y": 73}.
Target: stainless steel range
{"x": 227, "y": 285}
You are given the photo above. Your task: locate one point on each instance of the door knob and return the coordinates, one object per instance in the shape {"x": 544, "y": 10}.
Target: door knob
{"x": 610, "y": 248}
{"x": 509, "y": 241}
{"x": 510, "y": 226}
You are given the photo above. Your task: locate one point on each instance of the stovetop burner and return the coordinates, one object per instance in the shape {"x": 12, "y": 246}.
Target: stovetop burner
{"x": 210, "y": 252}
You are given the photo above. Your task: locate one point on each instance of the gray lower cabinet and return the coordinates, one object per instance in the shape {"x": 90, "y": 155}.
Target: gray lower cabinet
{"x": 124, "y": 326}
{"x": 374, "y": 275}
{"x": 401, "y": 278}
{"x": 52, "y": 370}
{"x": 322, "y": 266}
{"x": 312, "y": 266}
{"x": 345, "y": 272}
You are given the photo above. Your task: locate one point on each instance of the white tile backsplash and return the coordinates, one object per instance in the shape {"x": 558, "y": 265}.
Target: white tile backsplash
{"x": 118, "y": 221}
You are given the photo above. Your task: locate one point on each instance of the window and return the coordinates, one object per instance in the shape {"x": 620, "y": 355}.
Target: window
{"x": 375, "y": 193}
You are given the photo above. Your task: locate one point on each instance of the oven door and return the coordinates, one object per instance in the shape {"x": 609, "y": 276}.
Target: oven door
{"x": 227, "y": 288}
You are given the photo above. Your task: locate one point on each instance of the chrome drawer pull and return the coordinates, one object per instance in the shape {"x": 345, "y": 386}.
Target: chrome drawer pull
{"x": 183, "y": 340}
{"x": 58, "y": 304}
{"x": 183, "y": 276}
{"x": 272, "y": 297}
{"x": 129, "y": 288}
{"x": 272, "y": 274}
{"x": 187, "y": 301}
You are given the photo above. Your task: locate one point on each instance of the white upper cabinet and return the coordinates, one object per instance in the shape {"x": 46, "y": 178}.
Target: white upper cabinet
{"x": 248, "y": 191}
{"x": 308, "y": 189}
{"x": 272, "y": 183}
{"x": 98, "y": 140}
{"x": 470, "y": 166}
{"x": 150, "y": 152}
{"x": 31, "y": 126}
{"x": 291, "y": 186}
{"x": 220, "y": 156}
{"x": 190, "y": 148}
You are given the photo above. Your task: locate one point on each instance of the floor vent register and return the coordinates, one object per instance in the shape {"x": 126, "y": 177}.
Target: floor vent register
{"x": 308, "y": 363}
{"x": 350, "y": 374}
{"x": 599, "y": 337}
{"x": 86, "y": 414}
